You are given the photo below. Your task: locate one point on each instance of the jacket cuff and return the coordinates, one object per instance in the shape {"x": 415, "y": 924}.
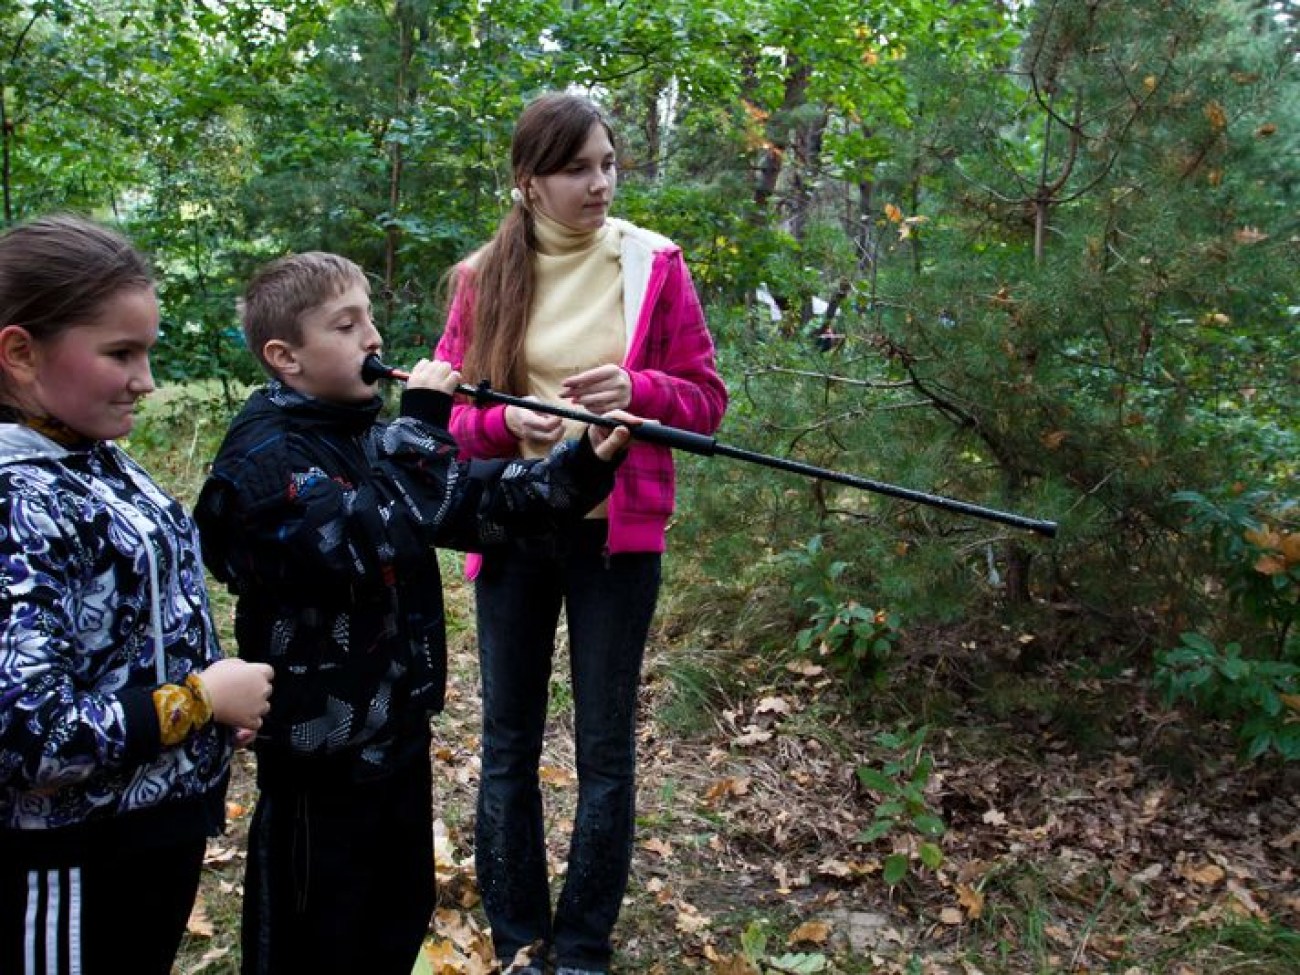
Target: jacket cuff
{"x": 431, "y": 406}
{"x": 645, "y": 399}
{"x": 587, "y": 464}
{"x": 143, "y": 733}
{"x": 496, "y": 431}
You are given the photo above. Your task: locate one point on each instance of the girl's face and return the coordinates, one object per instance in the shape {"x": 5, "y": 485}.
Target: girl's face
{"x": 579, "y": 195}
{"x": 90, "y": 377}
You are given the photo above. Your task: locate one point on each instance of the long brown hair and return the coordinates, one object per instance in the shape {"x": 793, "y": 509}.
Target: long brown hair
{"x": 549, "y": 132}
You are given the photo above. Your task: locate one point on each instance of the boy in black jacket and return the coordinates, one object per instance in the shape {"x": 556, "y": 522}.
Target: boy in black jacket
{"x": 323, "y": 521}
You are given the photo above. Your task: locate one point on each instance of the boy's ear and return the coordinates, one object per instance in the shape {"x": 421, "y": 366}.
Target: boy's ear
{"x": 281, "y": 357}
{"x": 19, "y": 353}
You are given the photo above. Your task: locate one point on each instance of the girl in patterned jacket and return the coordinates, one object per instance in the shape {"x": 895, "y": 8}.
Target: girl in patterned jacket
{"x": 571, "y": 306}
{"x": 117, "y": 709}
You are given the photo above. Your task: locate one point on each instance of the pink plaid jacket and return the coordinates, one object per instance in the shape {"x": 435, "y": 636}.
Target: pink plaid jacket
{"x": 674, "y": 381}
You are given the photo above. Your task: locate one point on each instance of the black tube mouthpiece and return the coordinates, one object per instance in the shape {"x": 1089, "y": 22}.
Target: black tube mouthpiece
{"x": 374, "y": 369}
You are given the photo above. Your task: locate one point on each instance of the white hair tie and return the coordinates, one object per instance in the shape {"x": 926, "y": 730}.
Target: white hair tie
{"x": 516, "y": 195}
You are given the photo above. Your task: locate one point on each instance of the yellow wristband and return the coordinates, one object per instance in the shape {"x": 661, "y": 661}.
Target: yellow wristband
{"x": 175, "y": 708}
{"x": 181, "y": 709}
{"x": 202, "y": 699}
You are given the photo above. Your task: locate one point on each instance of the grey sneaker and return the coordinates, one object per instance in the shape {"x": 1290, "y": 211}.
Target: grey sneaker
{"x": 566, "y": 970}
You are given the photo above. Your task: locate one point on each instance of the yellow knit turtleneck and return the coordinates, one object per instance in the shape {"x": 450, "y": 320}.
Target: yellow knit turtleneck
{"x": 576, "y": 321}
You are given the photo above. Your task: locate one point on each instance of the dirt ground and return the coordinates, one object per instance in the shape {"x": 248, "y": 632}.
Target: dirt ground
{"x": 1087, "y": 830}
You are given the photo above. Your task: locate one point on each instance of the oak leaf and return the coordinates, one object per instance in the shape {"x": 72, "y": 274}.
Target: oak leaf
{"x": 440, "y": 957}
{"x": 1270, "y": 565}
{"x": 846, "y": 870}
{"x": 658, "y": 846}
{"x": 454, "y": 927}
{"x": 690, "y": 920}
{"x": 810, "y": 932}
{"x": 1263, "y": 538}
{"x": 1207, "y": 875}
{"x": 736, "y": 964}
{"x": 218, "y": 853}
{"x": 773, "y": 705}
{"x": 805, "y": 668}
{"x": 729, "y": 786}
{"x": 971, "y": 900}
{"x": 556, "y": 776}
{"x": 905, "y": 231}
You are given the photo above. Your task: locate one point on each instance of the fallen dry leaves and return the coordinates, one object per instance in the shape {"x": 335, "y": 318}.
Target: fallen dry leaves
{"x": 1121, "y": 849}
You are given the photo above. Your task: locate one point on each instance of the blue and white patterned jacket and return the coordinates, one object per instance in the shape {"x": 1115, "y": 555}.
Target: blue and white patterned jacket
{"x": 102, "y": 600}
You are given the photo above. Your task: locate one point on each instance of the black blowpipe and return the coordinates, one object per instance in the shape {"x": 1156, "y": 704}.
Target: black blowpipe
{"x": 374, "y": 369}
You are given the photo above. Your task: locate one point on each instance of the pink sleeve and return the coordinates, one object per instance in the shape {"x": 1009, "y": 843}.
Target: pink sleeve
{"x": 675, "y": 377}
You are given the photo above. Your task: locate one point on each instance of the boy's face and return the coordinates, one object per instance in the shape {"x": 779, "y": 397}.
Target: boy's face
{"x": 337, "y": 335}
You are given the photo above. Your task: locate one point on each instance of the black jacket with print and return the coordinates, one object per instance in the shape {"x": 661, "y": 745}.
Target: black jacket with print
{"x": 323, "y": 522}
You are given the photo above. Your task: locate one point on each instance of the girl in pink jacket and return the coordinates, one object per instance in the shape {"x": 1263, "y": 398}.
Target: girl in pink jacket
{"x": 570, "y": 306}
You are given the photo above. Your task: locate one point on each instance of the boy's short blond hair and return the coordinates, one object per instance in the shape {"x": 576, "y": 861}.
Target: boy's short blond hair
{"x": 284, "y": 290}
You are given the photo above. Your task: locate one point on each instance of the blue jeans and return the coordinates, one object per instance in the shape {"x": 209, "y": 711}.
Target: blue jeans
{"x": 609, "y": 602}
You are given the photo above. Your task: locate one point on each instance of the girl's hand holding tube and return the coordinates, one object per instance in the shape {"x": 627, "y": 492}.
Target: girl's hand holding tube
{"x": 599, "y": 390}
{"x": 543, "y": 429}
{"x": 240, "y": 692}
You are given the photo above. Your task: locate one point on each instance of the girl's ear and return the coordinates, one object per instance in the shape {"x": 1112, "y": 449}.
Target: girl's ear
{"x": 19, "y": 353}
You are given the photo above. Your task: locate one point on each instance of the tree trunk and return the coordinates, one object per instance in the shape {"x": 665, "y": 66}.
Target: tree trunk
{"x": 779, "y": 132}
{"x": 392, "y": 233}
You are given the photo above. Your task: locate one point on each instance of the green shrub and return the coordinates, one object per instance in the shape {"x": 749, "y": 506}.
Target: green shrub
{"x": 856, "y": 640}
{"x": 1246, "y": 666}
{"x": 1262, "y": 696}
{"x": 901, "y": 784}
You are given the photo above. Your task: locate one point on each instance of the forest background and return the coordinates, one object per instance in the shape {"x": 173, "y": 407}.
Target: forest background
{"x": 1040, "y": 256}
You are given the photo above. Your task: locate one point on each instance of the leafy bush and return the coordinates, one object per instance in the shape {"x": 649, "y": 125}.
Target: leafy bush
{"x": 1263, "y": 695}
{"x": 1254, "y": 538}
{"x": 1254, "y": 679}
{"x": 856, "y": 640}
